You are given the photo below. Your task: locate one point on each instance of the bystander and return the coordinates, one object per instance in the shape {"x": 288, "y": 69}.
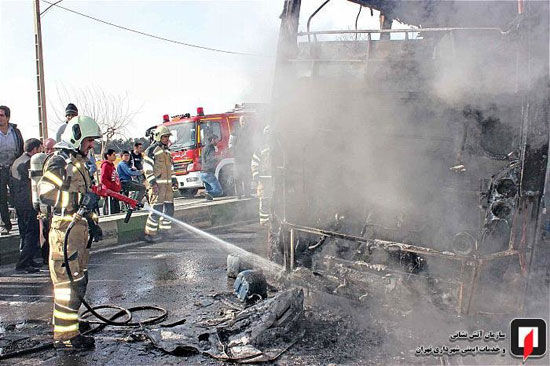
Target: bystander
{"x": 70, "y": 112}
{"x": 127, "y": 174}
{"x": 209, "y": 161}
{"x": 136, "y": 158}
{"x": 240, "y": 143}
{"x": 45, "y": 218}
{"x": 11, "y": 146}
{"x": 27, "y": 216}
{"x": 110, "y": 179}
{"x": 48, "y": 146}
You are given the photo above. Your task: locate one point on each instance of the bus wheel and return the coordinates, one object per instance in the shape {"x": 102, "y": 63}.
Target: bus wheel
{"x": 189, "y": 192}
{"x": 227, "y": 181}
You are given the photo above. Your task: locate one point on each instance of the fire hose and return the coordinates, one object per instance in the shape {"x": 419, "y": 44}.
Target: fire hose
{"x": 101, "y": 191}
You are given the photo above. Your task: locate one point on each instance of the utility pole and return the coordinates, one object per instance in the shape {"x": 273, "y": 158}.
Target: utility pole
{"x": 42, "y": 118}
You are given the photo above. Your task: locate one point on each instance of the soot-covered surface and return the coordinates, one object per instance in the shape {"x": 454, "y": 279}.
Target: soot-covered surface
{"x": 183, "y": 275}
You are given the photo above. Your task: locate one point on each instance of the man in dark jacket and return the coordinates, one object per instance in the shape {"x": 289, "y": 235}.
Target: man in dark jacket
{"x": 27, "y": 219}
{"x": 11, "y": 147}
{"x": 136, "y": 160}
{"x": 136, "y": 156}
{"x": 208, "y": 168}
{"x": 70, "y": 112}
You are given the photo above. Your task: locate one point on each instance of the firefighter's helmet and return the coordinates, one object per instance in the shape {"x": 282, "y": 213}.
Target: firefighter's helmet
{"x": 161, "y": 131}
{"x": 78, "y": 129}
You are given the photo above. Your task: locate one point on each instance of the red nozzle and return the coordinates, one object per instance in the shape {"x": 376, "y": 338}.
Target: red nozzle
{"x": 101, "y": 191}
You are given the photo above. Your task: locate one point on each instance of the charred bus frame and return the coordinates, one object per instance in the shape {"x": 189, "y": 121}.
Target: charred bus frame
{"x": 526, "y": 225}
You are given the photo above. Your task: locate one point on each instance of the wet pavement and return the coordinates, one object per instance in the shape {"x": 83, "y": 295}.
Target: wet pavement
{"x": 177, "y": 275}
{"x": 182, "y": 275}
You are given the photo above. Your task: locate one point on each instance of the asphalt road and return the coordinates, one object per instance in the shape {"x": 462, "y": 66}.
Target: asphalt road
{"x": 175, "y": 275}
{"x": 182, "y": 275}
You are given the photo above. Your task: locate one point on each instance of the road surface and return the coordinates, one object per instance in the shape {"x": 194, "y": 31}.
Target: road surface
{"x": 181, "y": 275}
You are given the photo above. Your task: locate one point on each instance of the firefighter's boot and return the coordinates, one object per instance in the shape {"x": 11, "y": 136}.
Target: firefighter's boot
{"x": 84, "y": 327}
{"x": 148, "y": 238}
{"x": 76, "y": 343}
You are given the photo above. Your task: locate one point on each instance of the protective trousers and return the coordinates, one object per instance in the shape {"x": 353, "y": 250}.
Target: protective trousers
{"x": 243, "y": 178}
{"x": 163, "y": 202}
{"x": 264, "y": 194}
{"x": 66, "y": 301}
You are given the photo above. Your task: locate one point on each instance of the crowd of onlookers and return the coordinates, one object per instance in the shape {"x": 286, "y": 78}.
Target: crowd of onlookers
{"x": 15, "y": 184}
{"x": 126, "y": 177}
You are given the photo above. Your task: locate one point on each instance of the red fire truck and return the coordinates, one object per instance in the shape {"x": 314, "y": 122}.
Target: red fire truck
{"x": 188, "y": 133}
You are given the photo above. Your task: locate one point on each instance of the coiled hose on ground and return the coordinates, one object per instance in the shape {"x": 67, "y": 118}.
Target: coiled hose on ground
{"x": 102, "y": 321}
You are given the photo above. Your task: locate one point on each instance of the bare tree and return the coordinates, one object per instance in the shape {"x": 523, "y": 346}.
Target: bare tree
{"x": 112, "y": 112}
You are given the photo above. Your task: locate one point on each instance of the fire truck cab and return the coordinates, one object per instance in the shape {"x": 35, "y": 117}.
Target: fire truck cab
{"x": 188, "y": 134}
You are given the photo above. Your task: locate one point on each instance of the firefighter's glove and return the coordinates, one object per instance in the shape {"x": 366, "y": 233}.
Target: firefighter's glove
{"x": 95, "y": 231}
{"x": 89, "y": 201}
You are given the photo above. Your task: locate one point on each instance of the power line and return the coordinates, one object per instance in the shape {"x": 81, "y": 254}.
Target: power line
{"x": 154, "y": 36}
{"x": 48, "y": 8}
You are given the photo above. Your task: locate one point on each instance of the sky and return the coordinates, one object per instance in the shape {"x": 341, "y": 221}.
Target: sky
{"x": 154, "y": 77}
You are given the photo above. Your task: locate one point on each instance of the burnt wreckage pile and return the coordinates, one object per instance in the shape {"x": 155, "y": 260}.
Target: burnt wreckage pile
{"x": 244, "y": 334}
{"x": 412, "y": 167}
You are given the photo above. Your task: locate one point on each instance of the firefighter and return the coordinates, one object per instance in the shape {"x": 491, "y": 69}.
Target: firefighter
{"x": 65, "y": 186}
{"x": 261, "y": 174}
{"x": 240, "y": 142}
{"x": 157, "y": 168}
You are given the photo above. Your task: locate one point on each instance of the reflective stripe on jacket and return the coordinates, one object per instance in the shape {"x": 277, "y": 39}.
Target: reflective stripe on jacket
{"x": 157, "y": 164}
{"x": 65, "y": 181}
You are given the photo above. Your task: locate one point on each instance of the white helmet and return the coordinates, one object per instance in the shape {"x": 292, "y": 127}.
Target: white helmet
{"x": 161, "y": 131}
{"x": 79, "y": 128}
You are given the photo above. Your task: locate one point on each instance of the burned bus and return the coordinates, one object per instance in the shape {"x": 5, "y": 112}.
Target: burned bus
{"x": 414, "y": 157}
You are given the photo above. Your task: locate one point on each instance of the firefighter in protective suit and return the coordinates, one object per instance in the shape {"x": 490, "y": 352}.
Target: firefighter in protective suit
{"x": 261, "y": 174}
{"x": 157, "y": 168}
{"x": 65, "y": 186}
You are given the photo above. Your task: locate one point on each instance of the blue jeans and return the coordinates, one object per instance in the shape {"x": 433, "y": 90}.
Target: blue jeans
{"x": 211, "y": 184}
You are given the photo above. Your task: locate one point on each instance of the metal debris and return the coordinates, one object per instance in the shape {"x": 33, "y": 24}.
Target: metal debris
{"x": 259, "y": 333}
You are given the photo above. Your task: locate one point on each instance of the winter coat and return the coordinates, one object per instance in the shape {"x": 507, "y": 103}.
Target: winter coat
{"x": 21, "y": 183}
{"x": 126, "y": 173}
{"x": 136, "y": 160}
{"x": 109, "y": 176}
{"x": 209, "y": 161}
{"x": 18, "y": 140}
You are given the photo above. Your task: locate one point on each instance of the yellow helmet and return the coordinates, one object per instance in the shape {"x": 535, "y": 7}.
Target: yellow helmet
{"x": 161, "y": 131}
{"x": 79, "y": 128}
